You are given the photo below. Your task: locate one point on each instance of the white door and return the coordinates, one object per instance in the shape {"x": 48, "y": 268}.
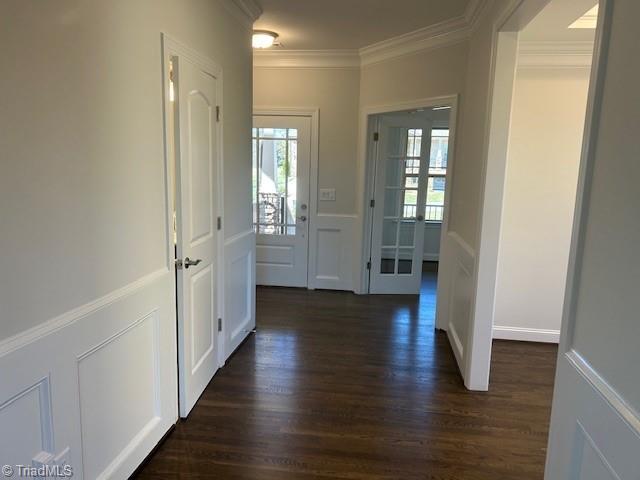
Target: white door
{"x": 401, "y": 170}
{"x": 281, "y": 155}
{"x": 595, "y": 424}
{"x": 197, "y": 208}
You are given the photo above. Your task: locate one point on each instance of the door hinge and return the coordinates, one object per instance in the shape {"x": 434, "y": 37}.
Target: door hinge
{"x": 219, "y": 223}
{"x": 369, "y": 265}
{"x": 376, "y": 136}
{"x": 217, "y": 113}
{"x": 219, "y": 324}
{"x": 372, "y": 203}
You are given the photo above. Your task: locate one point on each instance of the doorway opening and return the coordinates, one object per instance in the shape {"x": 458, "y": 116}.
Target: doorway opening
{"x": 542, "y": 76}
{"x": 409, "y": 170}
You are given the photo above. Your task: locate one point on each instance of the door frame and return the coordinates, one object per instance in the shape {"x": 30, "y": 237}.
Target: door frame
{"x": 514, "y": 17}
{"x": 314, "y": 114}
{"x": 173, "y": 48}
{"x": 369, "y": 148}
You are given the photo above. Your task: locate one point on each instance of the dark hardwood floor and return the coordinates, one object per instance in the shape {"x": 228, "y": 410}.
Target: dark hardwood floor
{"x": 336, "y": 385}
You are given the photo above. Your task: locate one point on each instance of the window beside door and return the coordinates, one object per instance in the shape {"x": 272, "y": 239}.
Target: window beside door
{"x": 275, "y": 153}
{"x": 436, "y": 184}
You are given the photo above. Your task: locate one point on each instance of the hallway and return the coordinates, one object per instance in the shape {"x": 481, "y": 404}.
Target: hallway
{"x": 336, "y": 385}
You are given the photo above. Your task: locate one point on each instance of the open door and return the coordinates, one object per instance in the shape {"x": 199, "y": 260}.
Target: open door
{"x": 401, "y": 171}
{"x": 595, "y": 425}
{"x": 198, "y": 265}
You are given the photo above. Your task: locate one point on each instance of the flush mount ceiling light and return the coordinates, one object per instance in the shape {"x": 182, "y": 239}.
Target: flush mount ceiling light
{"x": 263, "y": 39}
{"x": 588, "y": 20}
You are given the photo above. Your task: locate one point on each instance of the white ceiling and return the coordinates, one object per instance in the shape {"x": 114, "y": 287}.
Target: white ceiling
{"x": 350, "y": 24}
{"x": 551, "y": 24}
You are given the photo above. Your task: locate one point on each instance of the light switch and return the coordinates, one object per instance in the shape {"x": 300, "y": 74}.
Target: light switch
{"x": 327, "y": 194}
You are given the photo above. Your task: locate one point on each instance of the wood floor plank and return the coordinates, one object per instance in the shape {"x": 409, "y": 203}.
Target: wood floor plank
{"x": 335, "y": 385}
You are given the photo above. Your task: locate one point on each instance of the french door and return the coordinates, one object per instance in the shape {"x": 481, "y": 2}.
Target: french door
{"x": 281, "y": 156}
{"x": 401, "y": 169}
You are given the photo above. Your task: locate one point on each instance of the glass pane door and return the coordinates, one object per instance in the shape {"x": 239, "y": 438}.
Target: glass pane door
{"x": 275, "y": 159}
{"x": 402, "y": 163}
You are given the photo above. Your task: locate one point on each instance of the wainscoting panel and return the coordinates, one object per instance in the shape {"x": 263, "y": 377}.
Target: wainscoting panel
{"x": 331, "y": 252}
{"x": 455, "y": 293}
{"x": 99, "y": 380}
{"x": 595, "y": 433}
{"x": 239, "y": 290}
{"x": 27, "y": 412}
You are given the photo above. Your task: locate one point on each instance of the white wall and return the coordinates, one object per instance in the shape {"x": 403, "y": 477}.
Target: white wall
{"x": 334, "y": 91}
{"x": 88, "y": 320}
{"x": 542, "y": 170}
{"x": 340, "y": 94}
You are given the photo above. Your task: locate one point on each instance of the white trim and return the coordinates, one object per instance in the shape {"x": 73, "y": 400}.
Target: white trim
{"x": 448, "y": 32}
{"x": 245, "y": 11}
{"x": 441, "y": 34}
{"x": 314, "y": 114}
{"x": 493, "y": 154}
{"x": 364, "y": 187}
{"x": 555, "y": 54}
{"x": 306, "y": 59}
{"x": 599, "y": 384}
{"x": 526, "y": 334}
{"x": 238, "y": 236}
{"x": 23, "y": 339}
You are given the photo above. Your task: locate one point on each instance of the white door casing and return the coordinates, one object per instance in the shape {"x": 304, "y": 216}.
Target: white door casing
{"x": 198, "y": 205}
{"x": 398, "y": 236}
{"x": 282, "y": 229}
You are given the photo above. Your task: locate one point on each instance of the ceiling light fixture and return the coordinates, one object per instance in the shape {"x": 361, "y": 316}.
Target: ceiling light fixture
{"x": 263, "y": 39}
{"x": 443, "y": 107}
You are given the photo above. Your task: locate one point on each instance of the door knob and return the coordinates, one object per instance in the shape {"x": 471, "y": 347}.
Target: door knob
{"x": 188, "y": 262}
{"x": 420, "y": 218}
{"x": 303, "y": 218}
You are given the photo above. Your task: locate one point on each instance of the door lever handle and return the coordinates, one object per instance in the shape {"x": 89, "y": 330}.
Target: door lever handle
{"x": 191, "y": 263}
{"x": 303, "y": 218}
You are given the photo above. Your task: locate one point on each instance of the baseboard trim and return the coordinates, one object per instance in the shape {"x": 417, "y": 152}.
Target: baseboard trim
{"x": 526, "y": 334}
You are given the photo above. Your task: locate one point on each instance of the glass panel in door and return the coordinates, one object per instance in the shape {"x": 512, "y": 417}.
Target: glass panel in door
{"x": 275, "y": 161}
{"x": 401, "y": 192}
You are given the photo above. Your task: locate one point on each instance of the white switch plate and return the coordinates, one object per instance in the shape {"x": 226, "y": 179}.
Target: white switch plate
{"x": 327, "y": 194}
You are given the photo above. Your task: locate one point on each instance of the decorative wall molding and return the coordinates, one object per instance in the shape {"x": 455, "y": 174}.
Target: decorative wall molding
{"x": 61, "y": 321}
{"x": 449, "y": 32}
{"x": 555, "y": 54}
{"x": 526, "y": 334}
{"x": 245, "y": 11}
{"x": 441, "y": 34}
{"x": 306, "y": 58}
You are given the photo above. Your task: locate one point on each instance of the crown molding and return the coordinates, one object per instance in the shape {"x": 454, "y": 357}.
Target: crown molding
{"x": 245, "y": 11}
{"x": 306, "y": 59}
{"x": 439, "y": 35}
{"x": 555, "y": 54}
{"x": 473, "y": 13}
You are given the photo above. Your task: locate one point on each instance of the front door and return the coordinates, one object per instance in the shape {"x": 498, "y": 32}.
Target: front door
{"x": 400, "y": 196}
{"x": 197, "y": 235}
{"x": 281, "y": 154}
